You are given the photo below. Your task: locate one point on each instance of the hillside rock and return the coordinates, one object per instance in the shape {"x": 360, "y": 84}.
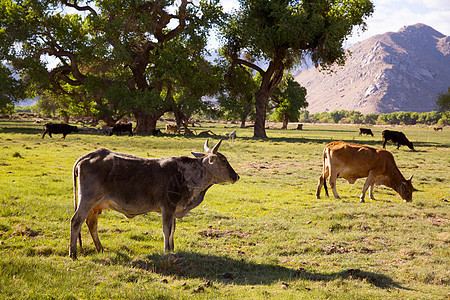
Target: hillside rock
{"x": 395, "y": 71}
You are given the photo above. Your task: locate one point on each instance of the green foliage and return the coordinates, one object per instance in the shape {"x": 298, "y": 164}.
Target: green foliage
{"x": 283, "y": 32}
{"x": 237, "y": 98}
{"x": 110, "y": 58}
{"x": 289, "y": 99}
{"x": 397, "y": 118}
{"x": 11, "y": 90}
{"x": 443, "y": 101}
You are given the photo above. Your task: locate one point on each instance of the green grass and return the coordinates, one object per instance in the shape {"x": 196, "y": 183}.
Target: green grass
{"x": 264, "y": 237}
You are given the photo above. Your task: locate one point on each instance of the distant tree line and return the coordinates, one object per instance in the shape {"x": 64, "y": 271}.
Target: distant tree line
{"x": 396, "y": 118}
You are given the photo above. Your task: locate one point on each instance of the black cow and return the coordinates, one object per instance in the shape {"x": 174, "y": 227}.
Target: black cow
{"x": 65, "y": 129}
{"x": 365, "y": 131}
{"x": 122, "y": 127}
{"x": 396, "y": 137}
{"x": 156, "y": 132}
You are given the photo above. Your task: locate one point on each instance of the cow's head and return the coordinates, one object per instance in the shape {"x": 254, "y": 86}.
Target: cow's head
{"x": 75, "y": 128}
{"x": 217, "y": 164}
{"x": 406, "y": 190}
{"x": 410, "y": 145}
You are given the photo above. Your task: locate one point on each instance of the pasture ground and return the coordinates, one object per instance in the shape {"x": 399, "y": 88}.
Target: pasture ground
{"x": 265, "y": 237}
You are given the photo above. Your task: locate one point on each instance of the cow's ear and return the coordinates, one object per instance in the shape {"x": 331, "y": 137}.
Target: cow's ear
{"x": 198, "y": 155}
{"x": 212, "y": 158}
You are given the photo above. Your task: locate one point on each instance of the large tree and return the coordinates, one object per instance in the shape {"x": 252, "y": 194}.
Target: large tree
{"x": 106, "y": 51}
{"x": 237, "y": 97}
{"x": 281, "y": 33}
{"x": 289, "y": 98}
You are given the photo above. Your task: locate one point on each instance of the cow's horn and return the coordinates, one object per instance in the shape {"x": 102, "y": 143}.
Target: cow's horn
{"x": 216, "y": 147}
{"x": 410, "y": 178}
{"x": 206, "y": 147}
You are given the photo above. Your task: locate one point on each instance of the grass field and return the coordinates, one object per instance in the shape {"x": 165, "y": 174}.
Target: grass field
{"x": 265, "y": 237}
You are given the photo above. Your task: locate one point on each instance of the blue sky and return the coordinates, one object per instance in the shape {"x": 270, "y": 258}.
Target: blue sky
{"x": 391, "y": 15}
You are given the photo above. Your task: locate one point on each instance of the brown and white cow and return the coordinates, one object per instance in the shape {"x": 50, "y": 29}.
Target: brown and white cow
{"x": 172, "y": 128}
{"x": 133, "y": 186}
{"x": 352, "y": 161}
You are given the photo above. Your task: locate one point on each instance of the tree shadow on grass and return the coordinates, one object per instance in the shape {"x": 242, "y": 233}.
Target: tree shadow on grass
{"x": 240, "y": 271}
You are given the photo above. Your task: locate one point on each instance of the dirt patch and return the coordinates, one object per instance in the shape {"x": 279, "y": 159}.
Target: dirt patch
{"x": 438, "y": 221}
{"x": 25, "y": 231}
{"x": 331, "y": 249}
{"x": 220, "y": 233}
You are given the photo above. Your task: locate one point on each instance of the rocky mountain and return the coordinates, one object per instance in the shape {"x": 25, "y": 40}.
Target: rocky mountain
{"x": 395, "y": 71}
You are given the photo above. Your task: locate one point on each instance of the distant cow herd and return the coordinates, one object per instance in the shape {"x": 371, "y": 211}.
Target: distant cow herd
{"x": 173, "y": 186}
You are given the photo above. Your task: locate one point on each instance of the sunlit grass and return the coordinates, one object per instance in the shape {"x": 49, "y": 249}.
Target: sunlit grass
{"x": 264, "y": 237}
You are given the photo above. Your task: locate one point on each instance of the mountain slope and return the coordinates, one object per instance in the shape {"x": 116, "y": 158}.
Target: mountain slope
{"x": 401, "y": 71}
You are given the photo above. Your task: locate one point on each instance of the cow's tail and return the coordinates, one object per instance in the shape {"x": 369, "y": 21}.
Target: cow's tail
{"x": 75, "y": 191}
{"x": 326, "y": 152}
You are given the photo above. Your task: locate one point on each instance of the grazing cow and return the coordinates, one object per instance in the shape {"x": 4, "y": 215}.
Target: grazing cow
{"x": 396, "y": 137}
{"x": 133, "y": 185}
{"x": 65, "y": 129}
{"x": 353, "y": 161}
{"x": 365, "y": 131}
{"x": 300, "y": 127}
{"x": 437, "y": 128}
{"x": 172, "y": 128}
{"x": 122, "y": 127}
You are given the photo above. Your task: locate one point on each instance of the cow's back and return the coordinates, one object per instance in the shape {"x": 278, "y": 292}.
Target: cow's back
{"x": 135, "y": 185}
{"x": 354, "y": 160}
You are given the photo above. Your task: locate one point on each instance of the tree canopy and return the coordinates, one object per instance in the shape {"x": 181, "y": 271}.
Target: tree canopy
{"x": 443, "y": 101}
{"x": 110, "y": 57}
{"x": 289, "y": 98}
{"x": 283, "y": 32}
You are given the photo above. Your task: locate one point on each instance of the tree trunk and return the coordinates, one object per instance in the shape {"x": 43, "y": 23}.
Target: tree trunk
{"x": 285, "y": 121}
{"x": 243, "y": 122}
{"x": 260, "y": 118}
{"x": 145, "y": 121}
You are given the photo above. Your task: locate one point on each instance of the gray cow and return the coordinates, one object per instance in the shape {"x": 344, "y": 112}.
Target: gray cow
{"x": 133, "y": 185}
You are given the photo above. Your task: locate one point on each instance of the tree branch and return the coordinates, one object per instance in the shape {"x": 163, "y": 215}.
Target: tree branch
{"x": 250, "y": 65}
{"x": 79, "y": 8}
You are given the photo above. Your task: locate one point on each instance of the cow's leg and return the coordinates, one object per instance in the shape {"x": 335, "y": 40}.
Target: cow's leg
{"x": 371, "y": 192}
{"x": 384, "y": 144}
{"x": 333, "y": 178}
{"x": 398, "y": 146}
{"x": 50, "y": 134}
{"x": 75, "y": 228}
{"x": 319, "y": 186}
{"x": 323, "y": 181}
{"x": 92, "y": 221}
{"x": 168, "y": 229}
{"x": 369, "y": 183}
